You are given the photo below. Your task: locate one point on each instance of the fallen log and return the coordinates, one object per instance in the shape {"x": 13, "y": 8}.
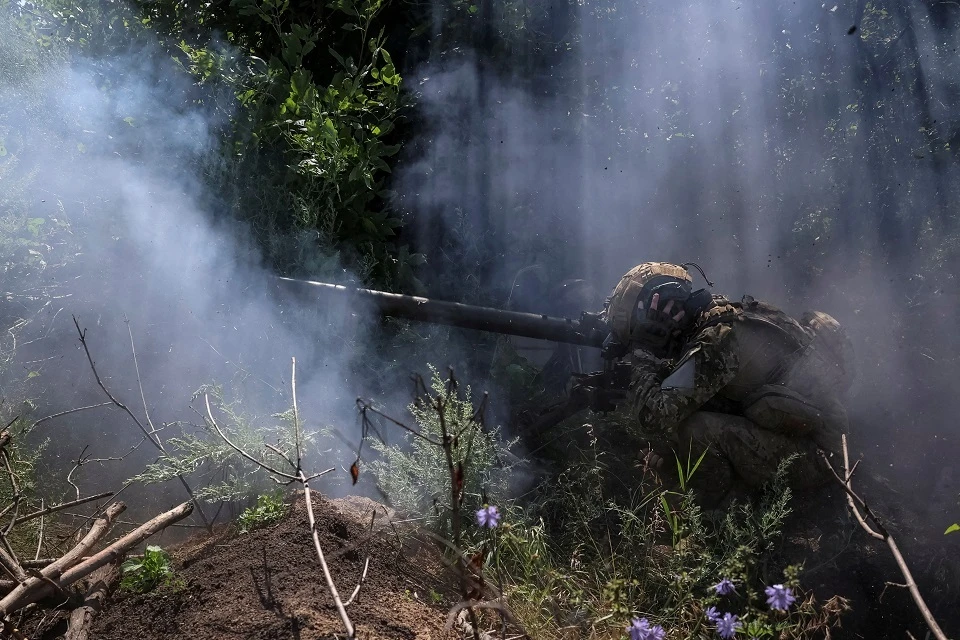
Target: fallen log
{"x": 100, "y": 583}
{"x": 119, "y": 548}
{"x": 60, "y": 575}
{"x": 40, "y": 585}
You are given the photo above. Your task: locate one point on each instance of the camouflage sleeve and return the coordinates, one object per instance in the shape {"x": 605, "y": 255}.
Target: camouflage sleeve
{"x": 715, "y": 359}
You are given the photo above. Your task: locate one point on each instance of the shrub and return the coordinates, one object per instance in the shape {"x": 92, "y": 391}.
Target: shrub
{"x": 146, "y": 573}
{"x": 270, "y": 508}
{"x": 414, "y": 473}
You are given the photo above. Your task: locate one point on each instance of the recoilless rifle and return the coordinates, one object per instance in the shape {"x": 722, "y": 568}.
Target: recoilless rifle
{"x": 597, "y": 390}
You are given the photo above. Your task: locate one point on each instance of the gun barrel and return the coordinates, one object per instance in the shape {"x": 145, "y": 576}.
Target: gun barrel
{"x": 465, "y": 316}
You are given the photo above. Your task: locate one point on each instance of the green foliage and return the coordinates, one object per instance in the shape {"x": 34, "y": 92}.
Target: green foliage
{"x": 269, "y": 509}
{"x": 952, "y": 529}
{"x": 414, "y": 473}
{"x": 604, "y": 562}
{"x": 311, "y": 96}
{"x": 203, "y": 450}
{"x": 146, "y": 573}
{"x": 319, "y": 106}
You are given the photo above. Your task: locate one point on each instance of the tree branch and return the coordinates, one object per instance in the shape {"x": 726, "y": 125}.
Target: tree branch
{"x": 61, "y": 507}
{"x": 881, "y": 533}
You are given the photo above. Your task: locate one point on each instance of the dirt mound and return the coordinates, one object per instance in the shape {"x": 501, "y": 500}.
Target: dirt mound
{"x": 268, "y": 584}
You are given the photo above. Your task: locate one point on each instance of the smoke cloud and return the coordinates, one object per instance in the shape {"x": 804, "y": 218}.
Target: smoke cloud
{"x": 751, "y": 137}
{"x": 107, "y": 149}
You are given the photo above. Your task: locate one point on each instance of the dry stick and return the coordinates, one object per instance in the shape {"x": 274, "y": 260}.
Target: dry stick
{"x": 8, "y": 559}
{"x": 130, "y": 523}
{"x": 341, "y": 610}
{"x": 148, "y": 434}
{"x": 331, "y": 586}
{"x": 94, "y": 562}
{"x": 96, "y": 511}
{"x": 61, "y": 507}
{"x": 17, "y": 495}
{"x": 296, "y": 412}
{"x": 39, "y": 535}
{"x": 882, "y": 534}
{"x": 305, "y": 482}
{"x": 36, "y": 587}
{"x": 366, "y": 567}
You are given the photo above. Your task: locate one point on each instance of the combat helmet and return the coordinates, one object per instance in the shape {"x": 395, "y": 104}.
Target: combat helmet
{"x": 652, "y": 304}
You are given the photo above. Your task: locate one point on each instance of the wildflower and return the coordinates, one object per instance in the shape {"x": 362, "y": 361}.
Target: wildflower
{"x": 641, "y": 629}
{"x": 780, "y": 597}
{"x": 488, "y": 517}
{"x": 725, "y": 587}
{"x": 728, "y": 625}
{"x": 712, "y": 614}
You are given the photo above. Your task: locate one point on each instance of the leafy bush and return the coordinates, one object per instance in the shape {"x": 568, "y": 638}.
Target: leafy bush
{"x": 653, "y": 563}
{"x": 146, "y": 573}
{"x": 200, "y": 448}
{"x": 414, "y": 474}
{"x": 270, "y": 508}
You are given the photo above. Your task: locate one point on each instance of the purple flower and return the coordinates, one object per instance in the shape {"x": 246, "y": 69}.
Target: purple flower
{"x": 725, "y": 587}
{"x": 728, "y": 625}
{"x": 488, "y": 517}
{"x": 780, "y": 597}
{"x": 641, "y": 629}
{"x": 712, "y": 614}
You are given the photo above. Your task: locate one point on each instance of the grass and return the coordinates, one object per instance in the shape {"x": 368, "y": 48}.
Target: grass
{"x": 577, "y": 560}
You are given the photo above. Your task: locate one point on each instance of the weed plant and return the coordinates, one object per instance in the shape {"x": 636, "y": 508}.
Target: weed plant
{"x": 577, "y": 561}
{"x": 414, "y": 473}
{"x": 146, "y": 573}
{"x": 269, "y": 509}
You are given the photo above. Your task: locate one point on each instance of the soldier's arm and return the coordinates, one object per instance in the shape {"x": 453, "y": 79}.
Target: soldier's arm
{"x": 710, "y": 364}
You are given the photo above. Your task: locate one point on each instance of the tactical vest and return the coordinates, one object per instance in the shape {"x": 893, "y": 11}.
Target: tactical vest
{"x": 776, "y": 385}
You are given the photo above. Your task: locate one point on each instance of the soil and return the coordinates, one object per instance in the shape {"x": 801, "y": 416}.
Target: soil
{"x": 268, "y": 584}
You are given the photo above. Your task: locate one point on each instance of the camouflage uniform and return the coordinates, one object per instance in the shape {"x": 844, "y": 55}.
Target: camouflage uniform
{"x": 753, "y": 386}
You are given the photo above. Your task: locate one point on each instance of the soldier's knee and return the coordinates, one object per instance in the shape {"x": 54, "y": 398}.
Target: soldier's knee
{"x": 706, "y": 428}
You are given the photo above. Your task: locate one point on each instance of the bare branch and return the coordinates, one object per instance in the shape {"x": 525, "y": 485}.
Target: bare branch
{"x": 61, "y": 506}
{"x": 277, "y": 451}
{"x": 331, "y": 586}
{"x": 881, "y": 533}
{"x": 86, "y": 349}
{"x": 364, "y": 407}
{"x": 296, "y": 412}
{"x": 136, "y": 368}
{"x": 151, "y": 434}
{"x": 243, "y": 453}
{"x": 65, "y": 413}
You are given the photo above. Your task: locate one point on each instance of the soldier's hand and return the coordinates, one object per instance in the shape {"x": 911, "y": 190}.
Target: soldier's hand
{"x": 670, "y": 312}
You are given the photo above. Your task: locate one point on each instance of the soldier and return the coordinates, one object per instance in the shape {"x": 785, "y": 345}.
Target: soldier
{"x": 740, "y": 379}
